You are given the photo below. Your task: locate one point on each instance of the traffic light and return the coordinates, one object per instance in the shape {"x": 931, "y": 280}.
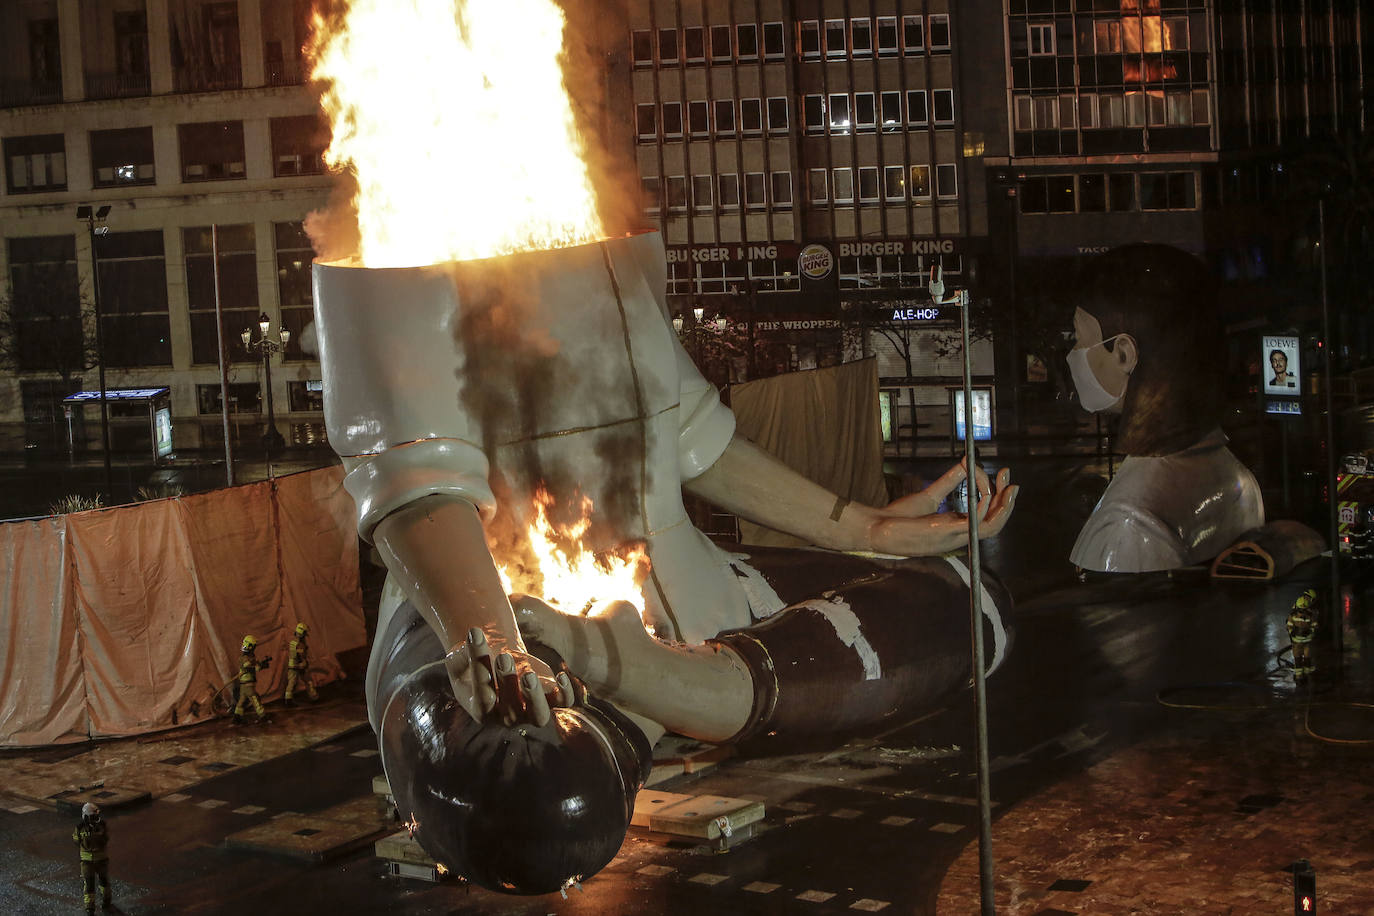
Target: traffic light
{"x": 1304, "y": 888}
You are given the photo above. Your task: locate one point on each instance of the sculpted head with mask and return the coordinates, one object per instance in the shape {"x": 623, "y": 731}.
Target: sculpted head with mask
{"x": 1147, "y": 346}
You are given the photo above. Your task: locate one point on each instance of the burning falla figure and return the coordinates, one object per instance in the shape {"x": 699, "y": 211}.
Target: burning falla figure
{"x": 516, "y": 736}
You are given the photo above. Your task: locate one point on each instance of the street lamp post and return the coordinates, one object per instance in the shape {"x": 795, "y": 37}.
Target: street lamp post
{"x": 271, "y": 439}
{"x": 90, "y": 216}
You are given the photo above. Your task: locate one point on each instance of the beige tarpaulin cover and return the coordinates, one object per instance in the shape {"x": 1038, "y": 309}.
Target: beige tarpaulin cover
{"x": 123, "y": 620}
{"x": 823, "y": 423}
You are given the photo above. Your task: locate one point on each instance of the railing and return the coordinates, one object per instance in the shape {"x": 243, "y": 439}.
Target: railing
{"x": 284, "y": 73}
{"x": 117, "y": 85}
{"x": 16, "y": 94}
{"x": 208, "y": 79}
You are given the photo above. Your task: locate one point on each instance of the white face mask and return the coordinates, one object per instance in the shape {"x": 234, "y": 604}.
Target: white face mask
{"x": 1091, "y": 394}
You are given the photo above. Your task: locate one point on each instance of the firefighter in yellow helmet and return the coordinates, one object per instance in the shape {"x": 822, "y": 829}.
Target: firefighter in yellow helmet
{"x": 91, "y": 837}
{"x": 1302, "y": 626}
{"x": 249, "y": 665}
{"x": 298, "y": 667}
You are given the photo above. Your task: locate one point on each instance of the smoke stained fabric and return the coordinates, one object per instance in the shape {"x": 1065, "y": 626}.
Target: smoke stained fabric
{"x": 123, "y": 621}
{"x": 822, "y": 423}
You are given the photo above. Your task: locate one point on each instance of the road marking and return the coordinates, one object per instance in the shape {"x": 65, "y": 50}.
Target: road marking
{"x": 946, "y": 828}
{"x": 761, "y": 887}
{"x": 19, "y": 809}
{"x": 250, "y": 809}
{"x": 175, "y": 797}
{"x": 845, "y": 814}
{"x": 868, "y": 905}
{"x": 656, "y": 870}
{"x": 708, "y": 879}
{"x": 896, "y": 820}
{"x": 815, "y": 896}
{"x": 211, "y": 803}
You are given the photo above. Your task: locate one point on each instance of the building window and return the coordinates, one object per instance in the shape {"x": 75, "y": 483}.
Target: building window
{"x": 305, "y": 396}
{"x": 1045, "y": 112}
{"x": 46, "y": 306}
{"x": 861, "y": 37}
{"x": 913, "y": 34}
{"x": 946, "y": 184}
{"x": 834, "y": 38}
{"x": 694, "y": 45}
{"x": 777, "y": 115}
{"x": 677, "y": 193}
{"x": 839, "y": 113}
{"x": 819, "y": 189}
{"x": 1040, "y": 38}
{"x": 1092, "y": 193}
{"x": 843, "y": 186}
{"x": 755, "y": 190}
{"x": 205, "y": 49}
{"x": 916, "y": 112}
{"x": 34, "y": 164}
{"x": 942, "y": 100}
{"x": 1174, "y": 32}
{"x": 122, "y": 157}
{"x": 809, "y": 38}
{"x": 920, "y": 182}
{"x": 868, "y": 184}
{"x": 887, "y": 35}
{"x": 645, "y": 122}
{"x": 747, "y": 41}
{"x": 814, "y": 106}
{"x": 1167, "y": 191}
{"x": 722, "y": 48}
{"x": 1107, "y": 37}
{"x": 133, "y": 299}
{"x": 1059, "y": 193}
{"x": 211, "y": 151}
{"x": 729, "y": 192}
{"x": 298, "y": 145}
{"x": 1111, "y": 111}
{"x": 652, "y": 189}
{"x": 892, "y": 110}
{"x": 672, "y": 120}
{"x": 782, "y": 190}
{"x": 244, "y": 397}
{"x": 865, "y": 112}
{"x": 750, "y": 116}
{"x": 1121, "y": 192}
{"x": 238, "y": 289}
{"x": 642, "y": 47}
{"x": 701, "y": 192}
{"x": 894, "y": 182}
{"x": 725, "y": 117}
{"x": 698, "y": 119}
{"x": 1135, "y": 109}
{"x": 939, "y": 32}
{"x": 1087, "y": 110}
{"x": 294, "y": 292}
{"x": 1068, "y": 113}
{"x": 774, "y": 43}
{"x": 1202, "y": 107}
{"x": 667, "y": 46}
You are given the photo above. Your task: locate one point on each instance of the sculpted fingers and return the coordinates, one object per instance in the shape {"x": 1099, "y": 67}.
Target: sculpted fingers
{"x": 536, "y": 703}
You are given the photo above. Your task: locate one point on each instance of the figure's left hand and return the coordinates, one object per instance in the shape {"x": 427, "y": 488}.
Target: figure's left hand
{"x": 910, "y": 526}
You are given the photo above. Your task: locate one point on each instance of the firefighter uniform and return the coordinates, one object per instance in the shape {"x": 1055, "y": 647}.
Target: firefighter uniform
{"x": 248, "y": 680}
{"x": 1302, "y": 626}
{"x": 91, "y": 837}
{"x": 298, "y": 666}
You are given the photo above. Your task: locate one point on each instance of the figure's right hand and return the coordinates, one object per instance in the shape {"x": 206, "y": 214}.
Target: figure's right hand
{"x": 512, "y": 687}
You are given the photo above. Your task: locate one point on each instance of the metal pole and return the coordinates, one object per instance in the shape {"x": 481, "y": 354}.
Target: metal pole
{"x": 975, "y": 575}
{"x": 1334, "y": 612}
{"x": 223, "y": 368}
{"x": 100, "y": 355}
{"x": 270, "y": 438}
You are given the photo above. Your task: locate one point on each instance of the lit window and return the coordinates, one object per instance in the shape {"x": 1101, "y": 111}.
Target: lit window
{"x": 920, "y": 182}
{"x": 894, "y": 182}
{"x": 839, "y": 113}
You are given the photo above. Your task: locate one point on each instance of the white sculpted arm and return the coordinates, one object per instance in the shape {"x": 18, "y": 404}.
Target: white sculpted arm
{"x": 753, "y": 484}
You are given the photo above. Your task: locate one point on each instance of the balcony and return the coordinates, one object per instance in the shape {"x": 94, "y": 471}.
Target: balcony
{"x": 208, "y": 79}
{"x": 284, "y": 73}
{"x": 16, "y": 94}
{"x": 117, "y": 85}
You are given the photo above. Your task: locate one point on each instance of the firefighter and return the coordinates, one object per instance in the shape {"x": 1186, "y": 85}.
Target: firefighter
{"x": 249, "y": 665}
{"x": 1302, "y": 626}
{"x": 298, "y": 667}
{"x": 91, "y": 837}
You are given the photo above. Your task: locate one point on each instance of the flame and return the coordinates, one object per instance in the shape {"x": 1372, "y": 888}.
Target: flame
{"x": 569, "y": 576}
{"x": 454, "y": 118}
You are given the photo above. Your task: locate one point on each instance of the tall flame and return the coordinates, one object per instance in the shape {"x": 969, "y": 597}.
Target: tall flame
{"x": 454, "y": 117}
{"x": 574, "y": 580}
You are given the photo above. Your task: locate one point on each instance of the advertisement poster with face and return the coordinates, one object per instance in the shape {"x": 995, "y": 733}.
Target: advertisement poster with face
{"x": 1280, "y": 366}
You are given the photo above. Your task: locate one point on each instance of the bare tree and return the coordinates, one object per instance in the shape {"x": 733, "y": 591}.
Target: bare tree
{"x": 47, "y": 326}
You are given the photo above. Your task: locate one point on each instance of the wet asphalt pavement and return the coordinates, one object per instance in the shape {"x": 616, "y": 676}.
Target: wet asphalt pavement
{"x": 1099, "y": 670}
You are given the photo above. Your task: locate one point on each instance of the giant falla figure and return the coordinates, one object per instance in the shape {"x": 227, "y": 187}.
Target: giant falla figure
{"x": 515, "y": 737}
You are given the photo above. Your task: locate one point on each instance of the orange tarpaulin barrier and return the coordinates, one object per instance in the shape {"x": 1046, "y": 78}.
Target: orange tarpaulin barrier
{"x": 124, "y": 620}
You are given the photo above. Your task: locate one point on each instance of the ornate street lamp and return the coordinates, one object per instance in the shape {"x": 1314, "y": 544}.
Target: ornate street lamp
{"x": 272, "y": 440}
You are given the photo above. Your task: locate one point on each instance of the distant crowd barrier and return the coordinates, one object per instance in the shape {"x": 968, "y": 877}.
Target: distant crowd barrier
{"x": 121, "y": 621}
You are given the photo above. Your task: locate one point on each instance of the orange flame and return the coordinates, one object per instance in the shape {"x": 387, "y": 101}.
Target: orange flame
{"x": 574, "y": 579}
{"x": 454, "y": 117}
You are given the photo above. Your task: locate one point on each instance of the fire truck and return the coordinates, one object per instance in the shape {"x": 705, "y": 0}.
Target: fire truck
{"x": 1355, "y": 507}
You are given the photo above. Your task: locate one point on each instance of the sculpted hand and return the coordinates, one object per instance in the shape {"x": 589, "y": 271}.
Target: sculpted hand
{"x": 512, "y": 687}
{"x": 911, "y": 527}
